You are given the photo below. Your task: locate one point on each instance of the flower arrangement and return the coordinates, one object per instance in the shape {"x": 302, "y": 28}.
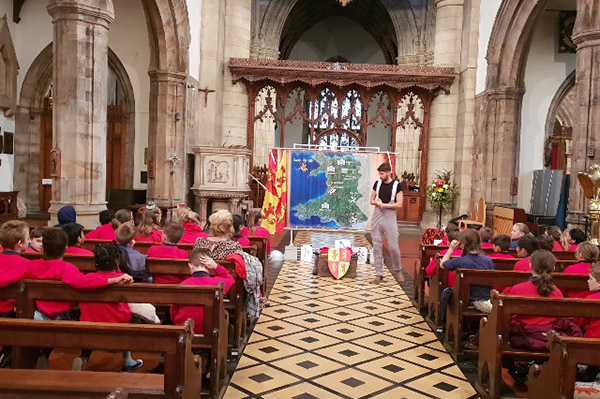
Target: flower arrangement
{"x": 441, "y": 193}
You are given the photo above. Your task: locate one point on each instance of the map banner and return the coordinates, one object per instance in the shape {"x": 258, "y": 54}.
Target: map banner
{"x": 332, "y": 190}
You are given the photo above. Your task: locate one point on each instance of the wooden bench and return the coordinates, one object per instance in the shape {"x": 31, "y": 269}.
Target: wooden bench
{"x": 494, "y": 333}
{"x": 213, "y": 340}
{"x": 439, "y": 281}
{"x": 262, "y": 253}
{"x": 182, "y": 378}
{"x": 459, "y": 311}
{"x": 118, "y": 394}
{"x": 556, "y": 378}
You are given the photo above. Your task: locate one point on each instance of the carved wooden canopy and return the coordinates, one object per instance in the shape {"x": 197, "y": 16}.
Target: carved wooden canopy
{"x": 369, "y": 76}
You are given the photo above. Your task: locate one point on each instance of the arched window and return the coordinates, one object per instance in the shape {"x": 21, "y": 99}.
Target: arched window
{"x": 336, "y": 126}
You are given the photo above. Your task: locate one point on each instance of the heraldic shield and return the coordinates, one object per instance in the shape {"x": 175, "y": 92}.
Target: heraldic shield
{"x": 338, "y": 261}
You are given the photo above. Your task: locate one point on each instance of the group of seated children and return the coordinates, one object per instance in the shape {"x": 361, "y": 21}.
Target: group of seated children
{"x": 109, "y": 259}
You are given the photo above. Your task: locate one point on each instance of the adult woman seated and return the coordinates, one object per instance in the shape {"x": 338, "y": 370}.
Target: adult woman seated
{"x": 220, "y": 245}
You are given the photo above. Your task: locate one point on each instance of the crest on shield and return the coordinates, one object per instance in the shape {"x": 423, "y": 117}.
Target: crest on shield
{"x": 338, "y": 261}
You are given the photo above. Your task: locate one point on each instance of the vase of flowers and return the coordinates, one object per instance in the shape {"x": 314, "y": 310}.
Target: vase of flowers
{"x": 441, "y": 193}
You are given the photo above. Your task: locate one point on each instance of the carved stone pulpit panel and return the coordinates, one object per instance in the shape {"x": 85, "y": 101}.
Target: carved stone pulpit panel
{"x": 221, "y": 175}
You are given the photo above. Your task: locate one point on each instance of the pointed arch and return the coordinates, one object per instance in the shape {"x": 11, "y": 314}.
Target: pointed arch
{"x": 10, "y": 70}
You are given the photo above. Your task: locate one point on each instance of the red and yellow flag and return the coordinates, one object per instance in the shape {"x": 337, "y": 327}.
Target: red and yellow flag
{"x": 275, "y": 203}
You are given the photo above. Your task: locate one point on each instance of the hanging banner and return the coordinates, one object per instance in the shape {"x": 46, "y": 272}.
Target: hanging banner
{"x": 275, "y": 203}
{"x": 332, "y": 189}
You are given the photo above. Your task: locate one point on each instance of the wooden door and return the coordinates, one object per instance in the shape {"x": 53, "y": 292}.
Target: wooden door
{"x": 115, "y": 147}
{"x": 45, "y": 191}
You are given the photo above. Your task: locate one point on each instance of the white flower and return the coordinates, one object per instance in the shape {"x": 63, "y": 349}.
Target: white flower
{"x": 433, "y": 195}
{"x": 445, "y": 186}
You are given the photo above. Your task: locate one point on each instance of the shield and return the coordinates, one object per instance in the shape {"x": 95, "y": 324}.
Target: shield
{"x": 338, "y": 261}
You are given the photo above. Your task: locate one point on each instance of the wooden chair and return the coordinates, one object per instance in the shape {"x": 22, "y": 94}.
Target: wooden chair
{"x": 556, "y": 378}
{"x": 494, "y": 333}
{"x": 182, "y": 377}
{"x": 476, "y": 218}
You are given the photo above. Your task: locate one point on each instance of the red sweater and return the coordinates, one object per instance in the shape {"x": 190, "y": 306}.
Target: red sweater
{"x": 592, "y": 326}
{"x": 258, "y": 232}
{"x": 67, "y": 273}
{"x": 78, "y": 251}
{"x": 430, "y": 269}
{"x": 500, "y": 255}
{"x": 244, "y": 241}
{"x": 578, "y": 268}
{"x": 105, "y": 312}
{"x": 529, "y": 289}
{"x": 13, "y": 268}
{"x": 557, "y": 247}
{"x": 155, "y": 236}
{"x": 167, "y": 251}
{"x": 192, "y": 233}
{"x": 179, "y": 314}
{"x": 487, "y": 245}
{"x": 105, "y": 232}
{"x": 523, "y": 265}
{"x": 573, "y": 247}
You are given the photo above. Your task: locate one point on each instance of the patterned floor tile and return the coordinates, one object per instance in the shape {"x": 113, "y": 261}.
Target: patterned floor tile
{"x": 443, "y": 386}
{"x": 353, "y": 383}
{"x": 401, "y": 393}
{"x": 426, "y": 357}
{"x": 393, "y": 369}
{"x": 348, "y": 353}
{"x": 412, "y": 334}
{"x": 262, "y": 378}
{"x": 402, "y": 316}
{"x": 313, "y": 305}
{"x": 311, "y": 340}
{"x": 302, "y": 391}
{"x": 311, "y": 321}
{"x": 371, "y": 308}
{"x": 270, "y": 350}
{"x": 277, "y": 328}
{"x": 345, "y": 331}
{"x": 279, "y": 311}
{"x": 343, "y": 314}
{"x": 308, "y": 365}
{"x": 234, "y": 393}
{"x": 384, "y": 343}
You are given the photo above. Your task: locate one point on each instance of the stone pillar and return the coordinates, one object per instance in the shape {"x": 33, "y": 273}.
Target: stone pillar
{"x": 166, "y": 137}
{"x": 80, "y": 72}
{"x": 238, "y": 19}
{"x": 586, "y": 132}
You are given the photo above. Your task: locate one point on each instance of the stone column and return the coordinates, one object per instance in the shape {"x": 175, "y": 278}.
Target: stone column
{"x": 166, "y": 137}
{"x": 80, "y": 72}
{"x": 586, "y": 132}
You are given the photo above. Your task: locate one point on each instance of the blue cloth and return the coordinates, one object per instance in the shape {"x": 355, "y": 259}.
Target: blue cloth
{"x": 561, "y": 213}
{"x": 473, "y": 261}
{"x": 513, "y": 244}
{"x": 66, "y": 215}
{"x": 200, "y": 274}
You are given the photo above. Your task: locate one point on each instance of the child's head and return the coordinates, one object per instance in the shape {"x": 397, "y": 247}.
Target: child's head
{"x": 172, "y": 233}
{"x": 195, "y": 260}
{"x": 485, "y": 233}
{"x": 519, "y": 230}
{"x": 470, "y": 241}
{"x": 125, "y": 234}
{"x": 186, "y": 215}
{"x": 106, "y": 216}
{"x": 526, "y": 246}
{"x": 594, "y": 278}
{"x": 450, "y": 227}
{"x": 545, "y": 242}
{"x": 107, "y": 257}
{"x": 588, "y": 252}
{"x": 501, "y": 243}
{"x": 554, "y": 232}
{"x": 542, "y": 264}
{"x": 238, "y": 222}
{"x": 453, "y": 235}
{"x": 55, "y": 243}
{"x": 74, "y": 232}
{"x": 149, "y": 222}
{"x": 576, "y": 236}
{"x": 35, "y": 239}
{"x": 14, "y": 235}
{"x": 122, "y": 216}
{"x": 255, "y": 219}
{"x": 221, "y": 223}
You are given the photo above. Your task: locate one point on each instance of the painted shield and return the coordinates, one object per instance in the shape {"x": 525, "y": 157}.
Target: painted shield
{"x": 339, "y": 261}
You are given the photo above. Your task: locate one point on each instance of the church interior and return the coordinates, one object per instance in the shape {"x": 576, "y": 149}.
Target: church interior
{"x": 260, "y": 125}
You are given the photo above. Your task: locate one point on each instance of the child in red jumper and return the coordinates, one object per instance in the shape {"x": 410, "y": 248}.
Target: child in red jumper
{"x": 35, "y": 241}
{"x": 107, "y": 257}
{"x": 74, "y": 232}
{"x": 592, "y": 326}
{"x": 587, "y": 255}
{"x": 526, "y": 246}
{"x": 109, "y": 226}
{"x": 14, "y": 238}
{"x": 254, "y": 229}
{"x": 191, "y": 224}
{"x": 485, "y": 233}
{"x": 575, "y": 237}
{"x": 200, "y": 264}
{"x": 430, "y": 269}
{"x": 149, "y": 230}
{"x": 501, "y": 245}
{"x": 172, "y": 234}
{"x": 238, "y": 223}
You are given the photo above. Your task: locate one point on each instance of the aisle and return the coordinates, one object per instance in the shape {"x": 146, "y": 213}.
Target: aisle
{"x": 348, "y": 339}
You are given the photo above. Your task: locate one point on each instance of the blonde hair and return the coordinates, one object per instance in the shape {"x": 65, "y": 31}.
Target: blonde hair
{"x": 186, "y": 215}
{"x": 221, "y": 223}
{"x": 522, "y": 227}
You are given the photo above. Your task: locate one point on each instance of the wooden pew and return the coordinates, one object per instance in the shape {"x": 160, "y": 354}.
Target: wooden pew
{"x": 556, "y": 378}
{"x": 182, "y": 378}
{"x": 458, "y": 310}
{"x": 418, "y": 294}
{"x": 439, "y": 281}
{"x": 263, "y": 254}
{"x": 214, "y": 340}
{"x": 118, "y": 394}
{"x": 494, "y": 333}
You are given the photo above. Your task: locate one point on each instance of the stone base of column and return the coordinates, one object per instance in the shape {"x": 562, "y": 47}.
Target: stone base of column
{"x": 576, "y": 220}
{"x": 87, "y": 214}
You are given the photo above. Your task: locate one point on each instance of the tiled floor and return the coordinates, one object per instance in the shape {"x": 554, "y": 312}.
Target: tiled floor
{"x": 322, "y": 338}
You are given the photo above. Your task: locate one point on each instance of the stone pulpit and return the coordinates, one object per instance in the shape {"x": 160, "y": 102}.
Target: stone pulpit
{"x": 221, "y": 176}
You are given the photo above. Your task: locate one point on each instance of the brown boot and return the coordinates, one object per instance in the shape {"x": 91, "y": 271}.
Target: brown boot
{"x": 377, "y": 280}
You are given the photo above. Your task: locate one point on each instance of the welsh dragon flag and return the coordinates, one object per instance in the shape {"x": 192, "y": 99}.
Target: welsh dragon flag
{"x": 275, "y": 204}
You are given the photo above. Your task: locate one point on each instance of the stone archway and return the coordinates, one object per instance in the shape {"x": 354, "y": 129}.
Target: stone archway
{"x": 169, "y": 33}
{"x": 32, "y": 114}
{"x": 497, "y": 146}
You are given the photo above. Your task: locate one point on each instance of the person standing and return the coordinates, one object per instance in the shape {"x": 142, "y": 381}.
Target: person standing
{"x": 387, "y": 199}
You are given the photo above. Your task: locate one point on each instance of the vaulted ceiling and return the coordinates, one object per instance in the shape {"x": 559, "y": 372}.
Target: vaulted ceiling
{"x": 372, "y": 15}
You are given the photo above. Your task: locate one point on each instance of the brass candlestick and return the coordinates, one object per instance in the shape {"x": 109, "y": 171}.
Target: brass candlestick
{"x": 590, "y": 182}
